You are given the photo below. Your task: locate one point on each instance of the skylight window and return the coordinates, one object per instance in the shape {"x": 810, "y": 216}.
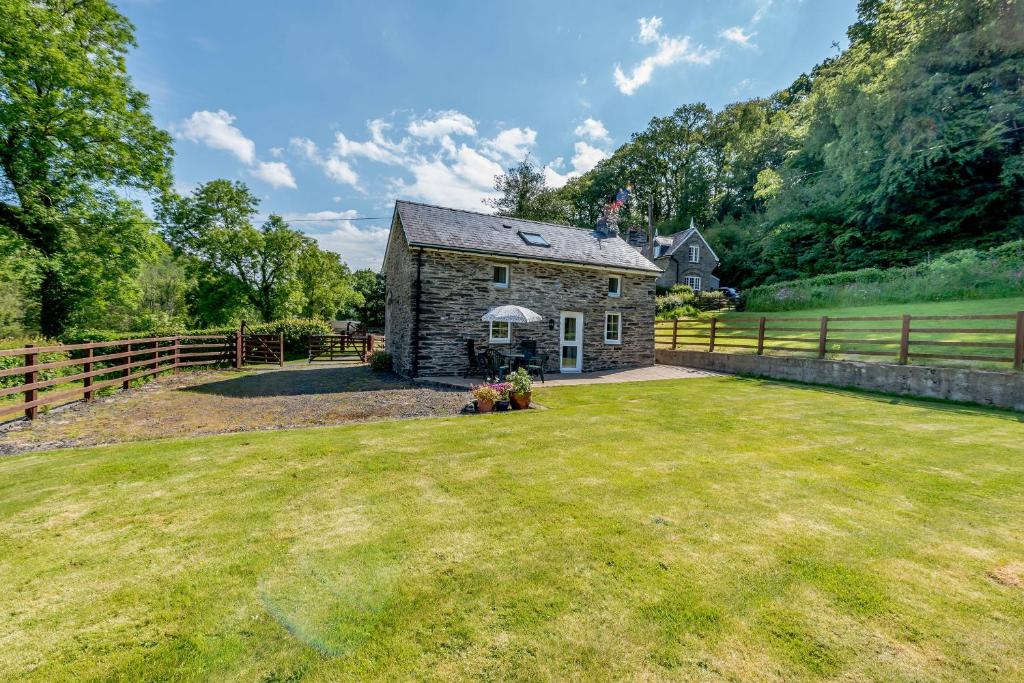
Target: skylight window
{"x": 534, "y": 239}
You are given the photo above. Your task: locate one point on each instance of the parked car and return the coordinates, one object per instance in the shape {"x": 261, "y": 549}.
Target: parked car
{"x": 730, "y": 292}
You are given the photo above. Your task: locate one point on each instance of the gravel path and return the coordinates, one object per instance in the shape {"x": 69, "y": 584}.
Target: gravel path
{"x": 218, "y": 402}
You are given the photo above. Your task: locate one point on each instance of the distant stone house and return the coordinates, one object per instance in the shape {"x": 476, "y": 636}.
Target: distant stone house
{"x": 685, "y": 258}
{"x": 445, "y": 268}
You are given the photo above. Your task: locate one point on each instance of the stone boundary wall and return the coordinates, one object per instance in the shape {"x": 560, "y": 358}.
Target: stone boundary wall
{"x": 984, "y": 387}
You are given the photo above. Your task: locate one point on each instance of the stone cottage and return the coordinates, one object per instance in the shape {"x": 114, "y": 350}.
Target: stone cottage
{"x": 445, "y": 268}
{"x": 685, "y": 258}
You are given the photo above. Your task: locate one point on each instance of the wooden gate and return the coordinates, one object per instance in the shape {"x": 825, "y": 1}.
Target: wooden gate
{"x": 339, "y": 347}
{"x": 262, "y": 348}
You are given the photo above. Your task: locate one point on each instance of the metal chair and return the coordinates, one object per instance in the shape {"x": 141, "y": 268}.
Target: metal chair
{"x": 494, "y": 364}
{"x": 473, "y": 368}
{"x": 533, "y": 362}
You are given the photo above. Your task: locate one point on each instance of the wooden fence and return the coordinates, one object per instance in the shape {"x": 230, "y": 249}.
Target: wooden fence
{"x": 996, "y": 339}
{"x": 105, "y": 364}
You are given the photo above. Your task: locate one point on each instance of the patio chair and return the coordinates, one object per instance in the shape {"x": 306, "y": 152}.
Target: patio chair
{"x": 533, "y": 361}
{"x": 473, "y": 368}
{"x": 494, "y": 364}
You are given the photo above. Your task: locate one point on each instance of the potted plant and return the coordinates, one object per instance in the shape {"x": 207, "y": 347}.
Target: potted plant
{"x": 503, "y": 389}
{"x": 486, "y": 396}
{"x": 521, "y": 389}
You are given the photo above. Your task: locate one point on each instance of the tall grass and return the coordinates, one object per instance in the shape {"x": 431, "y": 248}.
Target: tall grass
{"x": 958, "y": 275}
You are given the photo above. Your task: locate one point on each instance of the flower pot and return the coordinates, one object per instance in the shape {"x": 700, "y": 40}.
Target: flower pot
{"x": 501, "y": 406}
{"x": 521, "y": 401}
{"x": 484, "y": 406}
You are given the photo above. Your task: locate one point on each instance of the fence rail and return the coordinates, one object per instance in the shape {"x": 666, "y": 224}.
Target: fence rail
{"x": 117, "y": 362}
{"x": 997, "y": 339}
{"x": 345, "y": 346}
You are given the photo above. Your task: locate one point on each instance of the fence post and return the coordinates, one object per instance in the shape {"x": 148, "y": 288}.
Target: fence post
{"x": 675, "y": 332}
{"x": 280, "y": 347}
{"x": 177, "y": 351}
{"x": 905, "y": 340}
{"x": 711, "y": 336}
{"x": 127, "y": 369}
{"x": 760, "y": 336}
{"x": 239, "y": 350}
{"x": 823, "y": 336}
{"x": 87, "y": 368}
{"x": 30, "y": 378}
{"x": 1018, "y": 353}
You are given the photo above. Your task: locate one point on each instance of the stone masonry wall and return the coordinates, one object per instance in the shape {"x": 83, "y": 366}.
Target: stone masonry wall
{"x": 999, "y": 389}
{"x": 400, "y": 276}
{"x": 457, "y": 290}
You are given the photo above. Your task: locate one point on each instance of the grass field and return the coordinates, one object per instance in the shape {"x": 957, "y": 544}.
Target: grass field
{"x": 736, "y": 330}
{"x": 713, "y": 529}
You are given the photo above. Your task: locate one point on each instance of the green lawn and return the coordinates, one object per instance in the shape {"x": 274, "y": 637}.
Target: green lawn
{"x": 970, "y": 307}
{"x": 712, "y": 529}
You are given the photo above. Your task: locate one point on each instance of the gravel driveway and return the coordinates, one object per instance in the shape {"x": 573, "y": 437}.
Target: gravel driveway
{"x": 218, "y": 402}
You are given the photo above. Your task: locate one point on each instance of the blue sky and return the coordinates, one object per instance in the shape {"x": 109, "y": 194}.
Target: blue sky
{"x": 332, "y": 110}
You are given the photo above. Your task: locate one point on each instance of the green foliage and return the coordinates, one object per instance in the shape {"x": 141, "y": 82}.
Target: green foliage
{"x": 523, "y": 193}
{"x": 326, "y": 283}
{"x": 521, "y": 381}
{"x": 958, "y": 275}
{"x": 380, "y": 361}
{"x": 907, "y": 144}
{"x": 370, "y": 286}
{"x": 74, "y": 133}
{"x": 677, "y": 302}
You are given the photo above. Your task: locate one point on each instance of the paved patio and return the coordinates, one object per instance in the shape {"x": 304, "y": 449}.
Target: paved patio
{"x": 644, "y": 374}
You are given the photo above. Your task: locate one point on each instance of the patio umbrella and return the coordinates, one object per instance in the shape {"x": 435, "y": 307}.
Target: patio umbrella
{"x": 511, "y": 315}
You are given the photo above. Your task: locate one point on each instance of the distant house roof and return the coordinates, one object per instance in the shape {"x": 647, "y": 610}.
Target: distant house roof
{"x": 453, "y": 229}
{"x": 676, "y": 240}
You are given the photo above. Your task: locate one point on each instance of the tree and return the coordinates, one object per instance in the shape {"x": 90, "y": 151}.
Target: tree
{"x": 74, "y": 131}
{"x": 370, "y": 285}
{"x": 213, "y": 226}
{"x": 326, "y": 283}
{"x": 524, "y": 194}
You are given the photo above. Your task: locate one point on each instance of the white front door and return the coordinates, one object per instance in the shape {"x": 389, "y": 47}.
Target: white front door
{"x": 570, "y": 342}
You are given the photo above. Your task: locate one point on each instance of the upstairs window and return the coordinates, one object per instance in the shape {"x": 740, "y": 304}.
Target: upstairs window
{"x": 612, "y": 328}
{"x": 614, "y": 286}
{"x": 534, "y": 239}
{"x": 499, "y": 276}
{"x": 694, "y": 254}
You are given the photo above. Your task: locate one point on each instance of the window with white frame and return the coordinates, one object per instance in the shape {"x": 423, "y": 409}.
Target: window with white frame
{"x": 693, "y": 282}
{"x": 612, "y": 328}
{"x": 694, "y": 253}
{"x": 499, "y": 332}
{"x": 614, "y": 285}
{"x": 499, "y": 276}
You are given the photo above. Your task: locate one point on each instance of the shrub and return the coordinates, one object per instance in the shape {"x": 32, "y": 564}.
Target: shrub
{"x": 521, "y": 382}
{"x": 956, "y": 275}
{"x": 380, "y": 361}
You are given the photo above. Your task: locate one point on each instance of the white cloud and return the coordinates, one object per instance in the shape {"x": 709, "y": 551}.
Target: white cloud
{"x": 593, "y": 129}
{"x": 360, "y": 245}
{"x": 334, "y": 168}
{"x": 214, "y": 129}
{"x": 276, "y": 152}
{"x": 371, "y": 150}
{"x": 735, "y": 34}
{"x": 274, "y": 173}
{"x": 553, "y": 178}
{"x": 763, "y": 7}
{"x": 513, "y": 143}
{"x": 339, "y": 171}
{"x": 443, "y": 123}
{"x": 650, "y": 29}
{"x": 670, "y": 51}
{"x": 586, "y": 157}
{"x": 463, "y": 185}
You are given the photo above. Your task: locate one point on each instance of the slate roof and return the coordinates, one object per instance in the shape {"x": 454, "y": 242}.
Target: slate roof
{"x": 453, "y": 229}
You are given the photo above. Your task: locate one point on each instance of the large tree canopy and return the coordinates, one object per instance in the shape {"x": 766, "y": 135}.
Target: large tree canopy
{"x": 74, "y": 131}
{"x": 908, "y": 143}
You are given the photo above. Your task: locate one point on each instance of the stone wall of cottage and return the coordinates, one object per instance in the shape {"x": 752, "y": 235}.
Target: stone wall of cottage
{"x": 678, "y": 266}
{"x": 457, "y": 289}
{"x": 400, "y": 276}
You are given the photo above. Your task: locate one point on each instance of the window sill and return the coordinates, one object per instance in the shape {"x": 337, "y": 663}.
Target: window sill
{"x": 612, "y": 343}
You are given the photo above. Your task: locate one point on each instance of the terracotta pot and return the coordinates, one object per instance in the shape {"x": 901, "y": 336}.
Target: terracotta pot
{"x": 484, "y": 406}
{"x": 521, "y": 401}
